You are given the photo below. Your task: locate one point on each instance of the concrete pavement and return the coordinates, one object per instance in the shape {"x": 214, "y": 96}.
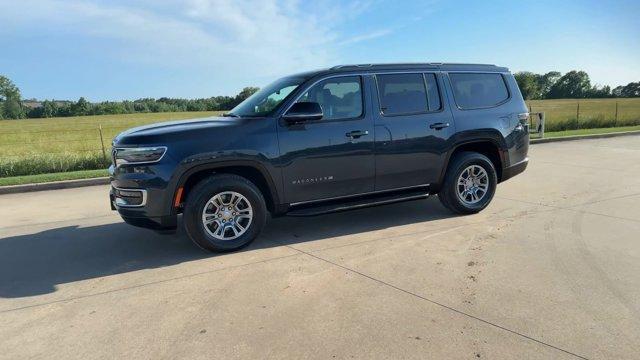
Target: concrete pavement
{"x": 549, "y": 270}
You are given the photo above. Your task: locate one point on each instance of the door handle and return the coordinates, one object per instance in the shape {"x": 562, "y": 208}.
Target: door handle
{"x": 439, "y": 126}
{"x": 356, "y": 134}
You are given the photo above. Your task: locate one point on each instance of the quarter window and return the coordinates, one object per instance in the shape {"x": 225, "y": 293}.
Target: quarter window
{"x": 432, "y": 92}
{"x": 402, "y": 94}
{"x": 340, "y": 98}
{"x": 474, "y": 91}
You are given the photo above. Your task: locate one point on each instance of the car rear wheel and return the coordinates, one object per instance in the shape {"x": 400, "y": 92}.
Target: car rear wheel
{"x": 470, "y": 183}
{"x": 224, "y": 212}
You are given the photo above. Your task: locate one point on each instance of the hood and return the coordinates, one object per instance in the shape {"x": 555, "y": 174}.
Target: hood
{"x": 157, "y": 131}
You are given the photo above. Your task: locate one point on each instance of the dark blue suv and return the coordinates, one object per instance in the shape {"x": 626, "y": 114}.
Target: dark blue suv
{"x": 324, "y": 141}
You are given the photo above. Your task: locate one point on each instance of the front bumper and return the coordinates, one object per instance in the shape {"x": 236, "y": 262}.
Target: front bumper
{"x": 138, "y": 215}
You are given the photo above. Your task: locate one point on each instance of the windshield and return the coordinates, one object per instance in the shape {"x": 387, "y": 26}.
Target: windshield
{"x": 268, "y": 98}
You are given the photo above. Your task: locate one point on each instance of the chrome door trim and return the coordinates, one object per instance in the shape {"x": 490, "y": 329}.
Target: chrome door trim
{"x": 359, "y": 194}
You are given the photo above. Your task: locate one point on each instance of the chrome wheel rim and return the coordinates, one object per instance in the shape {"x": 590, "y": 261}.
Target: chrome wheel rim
{"x": 227, "y": 215}
{"x": 472, "y": 184}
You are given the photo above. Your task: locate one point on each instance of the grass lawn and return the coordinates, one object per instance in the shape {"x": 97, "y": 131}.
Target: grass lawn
{"x": 43, "y": 178}
{"x": 561, "y": 114}
{"x": 590, "y": 131}
{"x": 78, "y": 134}
{"x": 36, "y": 146}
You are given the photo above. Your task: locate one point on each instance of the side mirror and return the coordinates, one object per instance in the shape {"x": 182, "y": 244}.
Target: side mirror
{"x": 303, "y": 111}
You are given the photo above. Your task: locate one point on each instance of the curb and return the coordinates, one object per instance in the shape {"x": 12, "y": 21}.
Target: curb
{"x": 55, "y": 185}
{"x": 582, "y": 137}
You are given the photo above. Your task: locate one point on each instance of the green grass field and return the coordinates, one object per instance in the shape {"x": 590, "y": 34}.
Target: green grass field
{"x": 590, "y": 131}
{"x": 45, "y": 178}
{"x": 37, "y": 146}
{"x": 594, "y": 113}
{"x": 56, "y": 145}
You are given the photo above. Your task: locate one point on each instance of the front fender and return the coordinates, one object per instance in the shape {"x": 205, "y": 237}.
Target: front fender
{"x": 220, "y": 160}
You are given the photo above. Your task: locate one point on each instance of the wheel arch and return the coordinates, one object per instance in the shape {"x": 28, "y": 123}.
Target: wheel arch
{"x": 251, "y": 170}
{"x": 490, "y": 147}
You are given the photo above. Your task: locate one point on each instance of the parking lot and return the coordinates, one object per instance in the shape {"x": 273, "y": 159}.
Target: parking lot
{"x": 551, "y": 269}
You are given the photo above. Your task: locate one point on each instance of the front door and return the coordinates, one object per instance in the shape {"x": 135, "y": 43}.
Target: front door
{"x": 413, "y": 126}
{"x": 331, "y": 157}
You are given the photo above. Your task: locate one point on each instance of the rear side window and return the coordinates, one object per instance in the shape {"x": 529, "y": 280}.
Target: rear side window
{"x": 474, "y": 91}
{"x": 402, "y": 94}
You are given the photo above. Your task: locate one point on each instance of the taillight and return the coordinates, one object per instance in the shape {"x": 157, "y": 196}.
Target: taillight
{"x": 523, "y": 117}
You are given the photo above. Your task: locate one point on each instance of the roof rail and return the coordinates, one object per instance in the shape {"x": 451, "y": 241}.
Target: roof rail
{"x": 438, "y": 65}
{"x": 356, "y": 65}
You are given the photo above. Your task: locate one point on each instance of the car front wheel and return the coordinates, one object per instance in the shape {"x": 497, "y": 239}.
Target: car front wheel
{"x": 224, "y": 212}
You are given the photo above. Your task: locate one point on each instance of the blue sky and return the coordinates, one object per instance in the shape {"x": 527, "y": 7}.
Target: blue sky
{"x": 114, "y": 50}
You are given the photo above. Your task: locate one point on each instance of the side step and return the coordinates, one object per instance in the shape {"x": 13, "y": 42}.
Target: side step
{"x": 358, "y": 203}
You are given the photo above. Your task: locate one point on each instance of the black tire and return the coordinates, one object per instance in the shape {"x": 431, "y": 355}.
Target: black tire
{"x": 448, "y": 193}
{"x": 205, "y": 190}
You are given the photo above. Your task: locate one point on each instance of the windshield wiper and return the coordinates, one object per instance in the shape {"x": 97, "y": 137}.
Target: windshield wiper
{"x": 230, "y": 115}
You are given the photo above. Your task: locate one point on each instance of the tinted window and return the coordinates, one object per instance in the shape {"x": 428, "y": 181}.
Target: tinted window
{"x": 432, "y": 92}
{"x": 402, "y": 94}
{"x": 340, "y": 98}
{"x": 478, "y": 90}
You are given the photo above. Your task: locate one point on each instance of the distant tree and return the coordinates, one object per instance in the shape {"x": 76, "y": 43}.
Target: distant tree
{"x": 528, "y": 83}
{"x": 245, "y": 93}
{"x": 49, "y": 109}
{"x": 10, "y": 102}
{"x": 632, "y": 89}
{"x": 535, "y": 86}
{"x": 546, "y": 81}
{"x": 617, "y": 91}
{"x": 81, "y": 108}
{"x": 572, "y": 85}
{"x": 600, "y": 92}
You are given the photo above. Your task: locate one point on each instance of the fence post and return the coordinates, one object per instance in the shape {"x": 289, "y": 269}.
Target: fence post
{"x": 615, "y": 123}
{"x": 104, "y": 153}
{"x": 541, "y": 124}
{"x": 578, "y": 115}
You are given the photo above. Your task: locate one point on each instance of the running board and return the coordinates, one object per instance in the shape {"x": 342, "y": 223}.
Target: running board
{"x": 327, "y": 208}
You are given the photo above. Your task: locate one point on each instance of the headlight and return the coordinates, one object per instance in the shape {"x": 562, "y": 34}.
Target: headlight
{"x": 139, "y": 155}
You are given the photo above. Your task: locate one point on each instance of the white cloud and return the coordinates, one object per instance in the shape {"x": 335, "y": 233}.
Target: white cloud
{"x": 268, "y": 37}
{"x": 365, "y": 37}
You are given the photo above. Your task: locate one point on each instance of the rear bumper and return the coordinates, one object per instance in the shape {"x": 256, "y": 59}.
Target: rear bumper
{"x": 515, "y": 169}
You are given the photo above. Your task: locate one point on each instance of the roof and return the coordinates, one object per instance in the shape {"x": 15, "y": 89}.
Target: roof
{"x": 409, "y": 66}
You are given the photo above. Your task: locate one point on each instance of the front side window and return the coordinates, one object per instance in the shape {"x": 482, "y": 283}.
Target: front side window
{"x": 268, "y": 98}
{"x": 402, "y": 94}
{"x": 340, "y": 98}
{"x": 473, "y": 91}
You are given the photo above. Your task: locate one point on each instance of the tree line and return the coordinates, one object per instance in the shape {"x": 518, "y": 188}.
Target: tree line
{"x": 552, "y": 85}
{"x": 572, "y": 85}
{"x": 13, "y": 107}
{"x": 82, "y": 107}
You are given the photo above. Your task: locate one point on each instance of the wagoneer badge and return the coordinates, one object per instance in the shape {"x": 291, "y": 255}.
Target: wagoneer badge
{"x": 312, "y": 180}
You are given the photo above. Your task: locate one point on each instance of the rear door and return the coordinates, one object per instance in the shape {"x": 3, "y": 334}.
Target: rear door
{"x": 331, "y": 157}
{"x": 413, "y": 125}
